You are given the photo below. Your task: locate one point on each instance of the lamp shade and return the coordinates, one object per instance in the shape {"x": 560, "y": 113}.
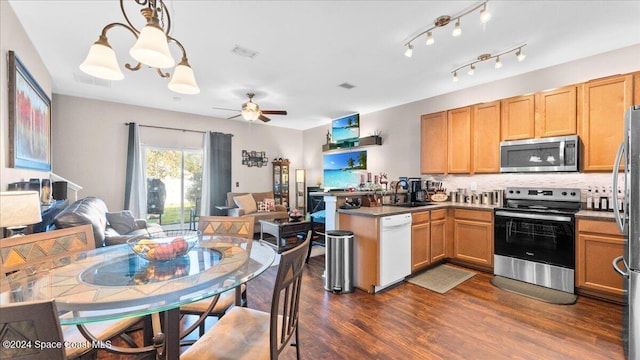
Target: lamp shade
{"x": 183, "y": 81}
{"x": 101, "y": 62}
{"x": 152, "y": 48}
{"x": 19, "y": 208}
{"x": 300, "y": 175}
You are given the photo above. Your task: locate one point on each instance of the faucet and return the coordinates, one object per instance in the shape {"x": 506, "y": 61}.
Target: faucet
{"x": 395, "y": 193}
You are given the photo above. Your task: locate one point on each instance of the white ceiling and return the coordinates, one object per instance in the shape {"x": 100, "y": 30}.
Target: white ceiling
{"x": 307, "y": 48}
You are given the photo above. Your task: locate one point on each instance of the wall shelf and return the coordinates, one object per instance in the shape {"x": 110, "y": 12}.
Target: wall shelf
{"x": 364, "y": 141}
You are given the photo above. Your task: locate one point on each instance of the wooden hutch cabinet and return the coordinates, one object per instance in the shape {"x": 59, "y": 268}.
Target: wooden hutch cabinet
{"x": 281, "y": 182}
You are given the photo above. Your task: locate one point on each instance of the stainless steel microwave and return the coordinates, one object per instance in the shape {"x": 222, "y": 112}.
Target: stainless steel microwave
{"x": 540, "y": 155}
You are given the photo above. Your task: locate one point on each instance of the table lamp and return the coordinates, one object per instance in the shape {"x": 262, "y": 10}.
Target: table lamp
{"x": 18, "y": 209}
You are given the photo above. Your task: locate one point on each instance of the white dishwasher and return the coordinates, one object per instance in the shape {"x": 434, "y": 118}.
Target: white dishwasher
{"x": 395, "y": 249}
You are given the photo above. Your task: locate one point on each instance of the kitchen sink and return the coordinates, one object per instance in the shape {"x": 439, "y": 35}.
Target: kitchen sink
{"x": 413, "y": 204}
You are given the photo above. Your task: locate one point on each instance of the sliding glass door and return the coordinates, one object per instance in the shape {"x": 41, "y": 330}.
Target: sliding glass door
{"x": 174, "y": 181}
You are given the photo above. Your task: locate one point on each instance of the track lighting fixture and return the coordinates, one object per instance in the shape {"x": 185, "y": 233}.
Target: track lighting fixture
{"x": 444, "y": 20}
{"x": 409, "y": 51}
{"x": 151, "y": 49}
{"x": 484, "y": 57}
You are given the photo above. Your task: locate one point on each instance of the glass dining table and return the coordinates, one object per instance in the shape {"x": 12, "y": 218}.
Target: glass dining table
{"x": 114, "y": 283}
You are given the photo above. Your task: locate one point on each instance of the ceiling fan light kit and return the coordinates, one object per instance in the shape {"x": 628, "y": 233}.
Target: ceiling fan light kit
{"x": 251, "y": 111}
{"x": 151, "y": 49}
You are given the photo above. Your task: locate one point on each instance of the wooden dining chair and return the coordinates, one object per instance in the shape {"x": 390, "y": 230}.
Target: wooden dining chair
{"x": 26, "y": 324}
{"x": 245, "y": 333}
{"x": 23, "y": 257}
{"x": 222, "y": 226}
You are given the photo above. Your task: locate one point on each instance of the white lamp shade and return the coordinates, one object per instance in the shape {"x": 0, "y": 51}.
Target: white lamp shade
{"x": 19, "y": 208}
{"x": 101, "y": 62}
{"x": 300, "y": 175}
{"x": 152, "y": 48}
{"x": 183, "y": 81}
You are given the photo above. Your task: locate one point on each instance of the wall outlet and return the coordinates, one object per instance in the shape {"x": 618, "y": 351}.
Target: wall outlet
{"x": 474, "y": 186}
{"x": 237, "y": 183}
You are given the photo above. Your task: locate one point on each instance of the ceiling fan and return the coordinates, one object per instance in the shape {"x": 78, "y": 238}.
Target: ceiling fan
{"x": 251, "y": 111}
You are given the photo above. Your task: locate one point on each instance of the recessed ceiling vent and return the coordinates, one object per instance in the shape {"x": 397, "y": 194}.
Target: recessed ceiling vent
{"x": 347, "y": 86}
{"x": 90, "y": 80}
{"x": 244, "y": 52}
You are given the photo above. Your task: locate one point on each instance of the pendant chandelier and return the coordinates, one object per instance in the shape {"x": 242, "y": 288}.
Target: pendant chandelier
{"x": 151, "y": 49}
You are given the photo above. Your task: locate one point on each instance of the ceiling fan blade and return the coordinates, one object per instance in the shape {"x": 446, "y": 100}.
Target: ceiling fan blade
{"x": 217, "y": 108}
{"x": 275, "y": 112}
{"x": 264, "y": 118}
{"x": 233, "y": 117}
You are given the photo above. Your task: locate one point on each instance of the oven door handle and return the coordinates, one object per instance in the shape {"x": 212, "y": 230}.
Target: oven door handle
{"x": 534, "y": 216}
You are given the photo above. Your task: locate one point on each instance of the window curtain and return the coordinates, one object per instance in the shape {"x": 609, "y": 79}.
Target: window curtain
{"x": 216, "y": 172}
{"x": 135, "y": 192}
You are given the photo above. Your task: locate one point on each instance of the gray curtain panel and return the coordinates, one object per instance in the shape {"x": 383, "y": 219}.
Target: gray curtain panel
{"x": 219, "y": 179}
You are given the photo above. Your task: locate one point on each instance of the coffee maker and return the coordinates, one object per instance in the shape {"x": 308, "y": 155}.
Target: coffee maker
{"x": 415, "y": 190}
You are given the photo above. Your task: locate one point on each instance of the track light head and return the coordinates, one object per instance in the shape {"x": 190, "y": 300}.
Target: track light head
{"x": 409, "y": 51}
{"x": 430, "y": 39}
{"x": 485, "y": 16}
{"x": 472, "y": 69}
{"x": 457, "y": 30}
{"x": 520, "y": 55}
{"x": 498, "y": 63}
{"x": 455, "y": 76}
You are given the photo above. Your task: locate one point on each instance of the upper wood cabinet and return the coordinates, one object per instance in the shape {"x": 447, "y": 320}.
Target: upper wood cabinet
{"x": 518, "y": 118}
{"x": 433, "y": 143}
{"x": 604, "y": 102}
{"x": 486, "y": 138}
{"x": 556, "y": 112}
{"x": 459, "y": 126}
{"x": 636, "y": 88}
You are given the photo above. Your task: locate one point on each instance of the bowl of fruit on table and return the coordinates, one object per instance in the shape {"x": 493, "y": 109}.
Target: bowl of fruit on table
{"x": 164, "y": 245}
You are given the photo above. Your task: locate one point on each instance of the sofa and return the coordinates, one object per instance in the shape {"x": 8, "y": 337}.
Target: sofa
{"x": 109, "y": 228}
{"x": 260, "y": 205}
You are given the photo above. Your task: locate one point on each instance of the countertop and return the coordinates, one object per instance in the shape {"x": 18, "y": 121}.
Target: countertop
{"x": 386, "y": 210}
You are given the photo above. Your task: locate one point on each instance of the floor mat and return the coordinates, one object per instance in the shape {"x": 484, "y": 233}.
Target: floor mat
{"x": 534, "y": 291}
{"x": 441, "y": 279}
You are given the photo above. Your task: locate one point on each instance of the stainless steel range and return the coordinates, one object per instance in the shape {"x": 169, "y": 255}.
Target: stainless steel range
{"x": 534, "y": 236}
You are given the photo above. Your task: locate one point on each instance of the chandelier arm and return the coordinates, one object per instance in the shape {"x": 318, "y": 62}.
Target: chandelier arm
{"x": 124, "y": 13}
{"x": 133, "y": 68}
{"x": 112, "y": 25}
{"x": 184, "y": 52}
{"x": 162, "y": 74}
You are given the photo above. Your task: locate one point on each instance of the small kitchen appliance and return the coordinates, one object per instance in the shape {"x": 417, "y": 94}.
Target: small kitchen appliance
{"x": 540, "y": 155}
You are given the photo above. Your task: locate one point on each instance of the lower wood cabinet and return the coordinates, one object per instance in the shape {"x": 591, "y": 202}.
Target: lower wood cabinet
{"x": 420, "y": 240}
{"x": 598, "y": 242}
{"x": 473, "y": 237}
{"x": 438, "y": 235}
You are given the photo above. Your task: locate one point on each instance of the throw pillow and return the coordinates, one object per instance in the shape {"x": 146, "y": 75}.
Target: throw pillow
{"x": 246, "y": 203}
{"x": 122, "y": 221}
{"x": 267, "y": 205}
{"x": 271, "y": 204}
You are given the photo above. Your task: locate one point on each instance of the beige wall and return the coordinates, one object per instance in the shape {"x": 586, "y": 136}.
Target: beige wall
{"x": 90, "y": 144}
{"x": 13, "y": 37}
{"x": 400, "y": 153}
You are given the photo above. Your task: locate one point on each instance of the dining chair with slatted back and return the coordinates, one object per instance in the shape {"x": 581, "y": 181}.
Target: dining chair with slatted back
{"x": 222, "y": 226}
{"x": 24, "y": 257}
{"x": 252, "y": 334}
{"x": 24, "y": 325}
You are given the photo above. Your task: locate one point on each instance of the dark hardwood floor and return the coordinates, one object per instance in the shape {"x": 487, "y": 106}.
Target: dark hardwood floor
{"x": 475, "y": 320}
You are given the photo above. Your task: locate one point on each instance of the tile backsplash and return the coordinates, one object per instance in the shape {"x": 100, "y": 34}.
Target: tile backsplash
{"x": 551, "y": 180}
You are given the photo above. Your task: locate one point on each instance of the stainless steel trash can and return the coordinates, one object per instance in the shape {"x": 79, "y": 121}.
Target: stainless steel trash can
{"x": 338, "y": 277}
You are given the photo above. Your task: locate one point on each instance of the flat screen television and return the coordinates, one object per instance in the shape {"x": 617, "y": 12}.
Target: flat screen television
{"x": 342, "y": 170}
{"x": 346, "y": 128}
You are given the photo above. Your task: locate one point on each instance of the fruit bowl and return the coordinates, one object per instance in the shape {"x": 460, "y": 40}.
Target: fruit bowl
{"x": 164, "y": 245}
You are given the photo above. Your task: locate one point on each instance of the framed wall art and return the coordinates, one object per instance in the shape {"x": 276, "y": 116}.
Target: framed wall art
{"x": 29, "y": 119}
{"x": 254, "y": 158}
